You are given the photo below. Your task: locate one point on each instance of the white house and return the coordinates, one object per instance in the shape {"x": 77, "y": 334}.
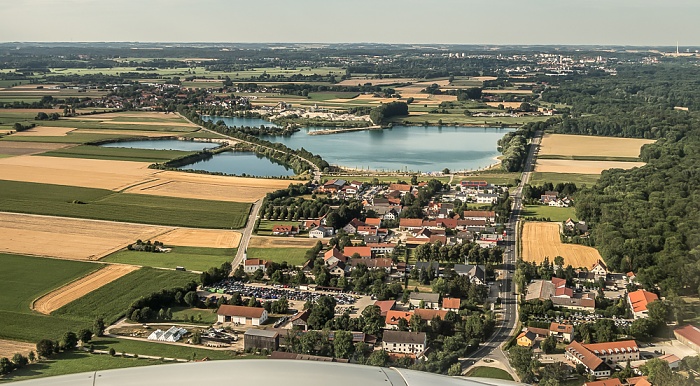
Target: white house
{"x": 252, "y": 265}
{"x": 241, "y": 315}
{"x": 429, "y": 300}
{"x": 173, "y": 334}
{"x": 599, "y": 270}
{"x": 404, "y": 342}
{"x": 320, "y": 232}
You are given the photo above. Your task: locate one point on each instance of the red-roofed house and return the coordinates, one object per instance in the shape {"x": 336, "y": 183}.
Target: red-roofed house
{"x": 333, "y": 256}
{"x": 577, "y": 353}
{"x": 241, "y": 315}
{"x": 374, "y": 222}
{"x": 392, "y": 318}
{"x": 385, "y": 306}
{"x": 428, "y": 314}
{"x": 638, "y": 301}
{"x": 364, "y": 252}
{"x": 606, "y": 382}
{"x": 403, "y": 188}
{"x": 690, "y": 336}
{"x": 252, "y": 265}
{"x": 487, "y": 215}
{"x": 408, "y": 224}
{"x": 673, "y": 361}
{"x": 284, "y": 230}
{"x": 451, "y": 304}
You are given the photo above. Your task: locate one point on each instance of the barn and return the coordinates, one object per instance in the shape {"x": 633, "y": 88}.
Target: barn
{"x": 241, "y": 315}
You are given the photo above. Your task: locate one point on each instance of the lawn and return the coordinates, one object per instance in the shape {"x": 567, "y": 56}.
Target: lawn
{"x": 101, "y": 204}
{"x": 22, "y": 280}
{"x": 159, "y": 349}
{"x": 495, "y": 178}
{"x": 118, "y": 153}
{"x": 539, "y": 178}
{"x": 192, "y": 258}
{"x": 293, "y": 256}
{"x": 551, "y": 212}
{"x": 111, "y": 300}
{"x": 183, "y": 314}
{"x": 489, "y": 372}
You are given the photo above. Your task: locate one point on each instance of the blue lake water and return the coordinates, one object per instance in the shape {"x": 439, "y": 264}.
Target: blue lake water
{"x": 231, "y": 162}
{"x": 404, "y": 148}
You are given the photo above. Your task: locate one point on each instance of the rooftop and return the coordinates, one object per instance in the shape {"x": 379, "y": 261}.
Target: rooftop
{"x": 248, "y": 312}
{"x": 689, "y": 332}
{"x": 640, "y": 298}
{"x": 263, "y": 333}
{"x": 393, "y": 336}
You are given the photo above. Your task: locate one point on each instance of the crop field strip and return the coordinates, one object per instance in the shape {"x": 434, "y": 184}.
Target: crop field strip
{"x": 191, "y": 258}
{"x": 117, "y": 153}
{"x": 100, "y": 204}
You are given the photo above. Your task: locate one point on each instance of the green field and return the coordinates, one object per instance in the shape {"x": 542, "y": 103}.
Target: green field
{"x": 76, "y": 138}
{"x": 77, "y": 362}
{"x": 118, "y": 153}
{"x": 489, "y": 372}
{"x": 193, "y": 259}
{"x": 293, "y": 256}
{"x": 24, "y": 279}
{"x": 159, "y": 349}
{"x": 496, "y": 178}
{"x": 101, "y": 204}
{"x": 111, "y": 300}
{"x": 539, "y": 178}
{"x": 551, "y": 212}
{"x": 183, "y": 314}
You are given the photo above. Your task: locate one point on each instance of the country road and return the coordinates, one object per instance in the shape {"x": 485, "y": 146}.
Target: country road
{"x": 492, "y": 348}
{"x": 246, "y": 234}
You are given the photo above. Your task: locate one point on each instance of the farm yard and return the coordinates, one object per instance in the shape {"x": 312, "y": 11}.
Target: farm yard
{"x": 100, "y": 204}
{"x": 541, "y": 239}
{"x": 77, "y": 289}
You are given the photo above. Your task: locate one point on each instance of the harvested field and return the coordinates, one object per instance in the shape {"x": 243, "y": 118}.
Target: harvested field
{"x": 281, "y": 242}
{"x": 581, "y": 167}
{"x": 68, "y": 238}
{"x": 209, "y": 238}
{"x": 44, "y": 131}
{"x": 375, "y": 82}
{"x": 586, "y": 145}
{"x": 512, "y": 105}
{"x": 8, "y": 348}
{"x": 128, "y": 132}
{"x": 541, "y": 239}
{"x": 511, "y": 91}
{"x": 131, "y": 177}
{"x": 484, "y": 78}
{"x": 79, "y": 288}
{"x": 25, "y": 148}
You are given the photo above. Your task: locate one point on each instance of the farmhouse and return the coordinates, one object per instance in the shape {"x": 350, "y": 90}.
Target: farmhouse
{"x": 252, "y": 265}
{"x": 261, "y": 339}
{"x": 409, "y": 224}
{"x": 526, "y": 339}
{"x": 638, "y": 301}
{"x": 563, "y": 332}
{"x": 284, "y": 230}
{"x": 333, "y": 256}
{"x": 549, "y": 196}
{"x": 599, "y": 270}
{"x": 241, "y": 315}
{"x": 690, "y": 336}
{"x": 391, "y": 320}
{"x": 404, "y": 342}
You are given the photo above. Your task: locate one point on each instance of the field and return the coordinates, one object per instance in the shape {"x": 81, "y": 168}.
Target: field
{"x": 194, "y": 259}
{"x": 539, "y": 178}
{"x": 99, "y": 204}
{"x": 551, "y": 212}
{"x": 25, "y": 278}
{"x": 77, "y": 289}
{"x": 160, "y": 349}
{"x": 584, "y": 145}
{"x": 111, "y": 300}
{"x": 68, "y": 238}
{"x": 8, "y": 348}
{"x": 293, "y": 256}
{"x": 489, "y": 372}
{"x": 541, "y": 239}
{"x": 581, "y": 167}
{"x": 24, "y": 148}
{"x": 182, "y": 313}
{"x": 118, "y": 153}
{"x": 206, "y": 238}
{"x": 281, "y": 242}
{"x": 46, "y": 131}
{"x": 501, "y": 178}
{"x": 77, "y": 362}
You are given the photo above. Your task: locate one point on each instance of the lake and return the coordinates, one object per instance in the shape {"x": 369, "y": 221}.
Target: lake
{"x": 404, "y": 148}
{"x": 236, "y": 162}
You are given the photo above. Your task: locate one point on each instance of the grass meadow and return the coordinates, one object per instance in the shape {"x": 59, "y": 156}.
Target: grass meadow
{"x": 118, "y": 153}
{"x": 192, "y": 258}
{"x": 293, "y": 256}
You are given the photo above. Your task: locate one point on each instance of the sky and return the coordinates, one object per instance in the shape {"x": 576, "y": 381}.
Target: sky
{"x": 593, "y": 22}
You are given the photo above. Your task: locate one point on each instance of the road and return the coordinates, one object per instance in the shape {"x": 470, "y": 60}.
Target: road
{"x": 246, "y": 233}
{"x": 509, "y": 315}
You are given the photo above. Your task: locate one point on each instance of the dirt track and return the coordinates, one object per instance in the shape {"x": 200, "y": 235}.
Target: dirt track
{"x": 541, "y": 239}
{"x": 79, "y": 288}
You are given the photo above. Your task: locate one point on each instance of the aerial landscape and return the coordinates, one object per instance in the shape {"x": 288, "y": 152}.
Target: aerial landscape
{"x": 285, "y": 206}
